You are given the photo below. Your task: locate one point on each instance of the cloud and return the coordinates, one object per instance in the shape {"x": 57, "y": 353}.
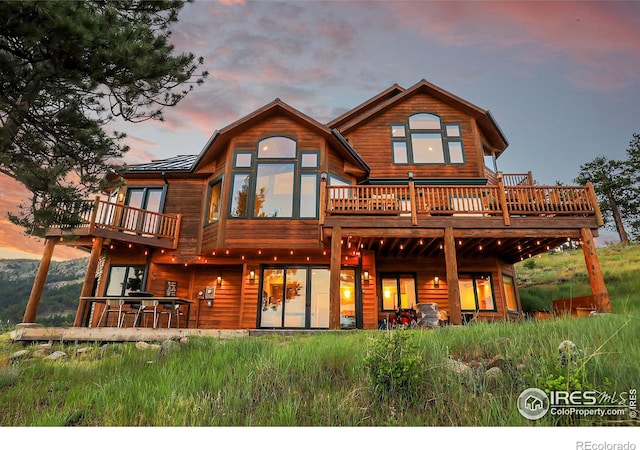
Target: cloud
{"x": 594, "y": 44}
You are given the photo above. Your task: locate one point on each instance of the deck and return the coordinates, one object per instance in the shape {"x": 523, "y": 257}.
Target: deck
{"x": 106, "y": 219}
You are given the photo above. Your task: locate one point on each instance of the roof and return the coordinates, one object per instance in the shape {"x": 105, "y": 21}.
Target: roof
{"x": 485, "y": 120}
{"x": 180, "y": 163}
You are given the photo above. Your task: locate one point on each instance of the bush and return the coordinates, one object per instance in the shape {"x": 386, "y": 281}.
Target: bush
{"x": 393, "y": 365}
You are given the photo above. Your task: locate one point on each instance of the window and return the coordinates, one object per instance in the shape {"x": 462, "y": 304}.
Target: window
{"x": 239, "y": 194}
{"x": 510, "y": 293}
{"x": 398, "y": 292}
{"x": 476, "y": 292}
{"x": 147, "y": 199}
{"x": 298, "y": 297}
{"x": 426, "y": 141}
{"x": 277, "y": 147}
{"x": 243, "y": 159}
{"x": 274, "y": 191}
{"x": 309, "y": 160}
{"x": 277, "y": 181}
{"x": 124, "y": 279}
{"x": 213, "y": 204}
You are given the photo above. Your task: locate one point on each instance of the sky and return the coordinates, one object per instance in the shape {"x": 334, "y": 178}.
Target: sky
{"x": 562, "y": 79}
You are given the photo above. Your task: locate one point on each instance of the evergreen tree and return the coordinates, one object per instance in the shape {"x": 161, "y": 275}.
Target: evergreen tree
{"x": 69, "y": 69}
{"x": 617, "y": 187}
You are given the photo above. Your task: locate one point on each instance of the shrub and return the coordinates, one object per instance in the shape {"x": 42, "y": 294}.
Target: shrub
{"x": 394, "y": 366}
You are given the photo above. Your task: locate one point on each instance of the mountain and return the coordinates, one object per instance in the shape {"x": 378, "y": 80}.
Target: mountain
{"x": 60, "y": 297}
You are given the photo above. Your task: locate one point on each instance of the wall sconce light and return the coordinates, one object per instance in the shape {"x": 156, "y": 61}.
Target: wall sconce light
{"x": 365, "y": 275}
{"x": 410, "y": 175}
{"x": 436, "y": 281}
{"x": 209, "y": 303}
{"x": 252, "y": 275}
{"x": 219, "y": 280}
{"x": 323, "y": 176}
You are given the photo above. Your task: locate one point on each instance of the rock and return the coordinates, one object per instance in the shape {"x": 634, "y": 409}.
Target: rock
{"x": 494, "y": 376}
{"x": 458, "y": 367}
{"x": 46, "y": 346}
{"x": 57, "y": 355}
{"x": 19, "y": 354}
{"x": 83, "y": 350}
{"x": 184, "y": 340}
{"x": 141, "y": 345}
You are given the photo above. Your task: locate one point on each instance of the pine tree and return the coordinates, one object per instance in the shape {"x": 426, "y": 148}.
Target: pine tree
{"x": 69, "y": 69}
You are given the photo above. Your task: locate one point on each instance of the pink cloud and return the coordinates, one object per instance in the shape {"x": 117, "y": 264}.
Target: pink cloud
{"x": 599, "y": 39}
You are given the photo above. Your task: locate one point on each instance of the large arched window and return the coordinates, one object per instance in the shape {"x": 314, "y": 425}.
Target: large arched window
{"x": 424, "y": 140}
{"x": 275, "y": 180}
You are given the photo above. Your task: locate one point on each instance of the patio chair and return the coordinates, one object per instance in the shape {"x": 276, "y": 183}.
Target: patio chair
{"x": 112, "y": 306}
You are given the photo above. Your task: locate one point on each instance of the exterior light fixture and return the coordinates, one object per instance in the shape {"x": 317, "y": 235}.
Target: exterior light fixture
{"x": 365, "y": 275}
{"x": 252, "y": 275}
{"x": 219, "y": 280}
{"x": 436, "y": 282}
{"x": 410, "y": 175}
{"x": 323, "y": 176}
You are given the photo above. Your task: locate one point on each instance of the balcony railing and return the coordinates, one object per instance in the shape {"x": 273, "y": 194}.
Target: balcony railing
{"x": 89, "y": 216}
{"x": 471, "y": 201}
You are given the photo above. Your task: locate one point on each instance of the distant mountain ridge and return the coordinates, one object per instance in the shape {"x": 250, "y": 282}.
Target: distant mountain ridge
{"x": 59, "y": 299}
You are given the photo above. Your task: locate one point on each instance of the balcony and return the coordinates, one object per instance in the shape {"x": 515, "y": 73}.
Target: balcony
{"x": 505, "y": 202}
{"x": 120, "y": 222}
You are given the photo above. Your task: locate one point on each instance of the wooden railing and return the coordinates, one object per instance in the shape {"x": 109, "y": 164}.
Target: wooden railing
{"x": 517, "y": 179}
{"x": 476, "y": 201}
{"x": 104, "y": 215}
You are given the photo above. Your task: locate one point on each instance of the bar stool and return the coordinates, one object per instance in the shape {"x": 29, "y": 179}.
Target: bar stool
{"x": 112, "y": 306}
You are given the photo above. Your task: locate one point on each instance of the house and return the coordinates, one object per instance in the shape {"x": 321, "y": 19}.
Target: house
{"x": 283, "y": 222}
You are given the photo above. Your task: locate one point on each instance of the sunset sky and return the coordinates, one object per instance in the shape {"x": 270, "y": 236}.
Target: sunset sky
{"x": 562, "y": 79}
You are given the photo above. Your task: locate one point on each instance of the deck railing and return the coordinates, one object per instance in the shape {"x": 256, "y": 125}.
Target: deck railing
{"x": 472, "y": 201}
{"x": 99, "y": 214}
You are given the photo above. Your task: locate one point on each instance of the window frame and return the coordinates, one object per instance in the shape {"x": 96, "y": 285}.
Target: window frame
{"x": 474, "y": 277}
{"x": 243, "y": 152}
{"x": 123, "y": 291}
{"x": 410, "y": 132}
{"x": 397, "y": 275}
{"x": 230, "y": 214}
{"x": 515, "y": 293}
{"x": 212, "y": 183}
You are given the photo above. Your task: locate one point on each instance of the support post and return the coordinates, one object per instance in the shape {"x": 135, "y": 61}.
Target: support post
{"x": 414, "y": 206}
{"x": 451, "y": 263}
{"x": 323, "y": 199}
{"x": 596, "y": 205}
{"x": 596, "y": 279}
{"x": 334, "y": 282}
{"x": 89, "y": 278}
{"x": 31, "y": 310}
{"x": 503, "y": 201}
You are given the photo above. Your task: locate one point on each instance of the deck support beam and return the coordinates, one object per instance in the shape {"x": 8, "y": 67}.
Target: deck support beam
{"x": 451, "y": 262}
{"x": 596, "y": 279}
{"x": 31, "y": 310}
{"x": 334, "y": 282}
{"x": 89, "y": 278}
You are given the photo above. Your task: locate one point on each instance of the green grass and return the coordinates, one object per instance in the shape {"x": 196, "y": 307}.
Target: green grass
{"x": 326, "y": 379}
{"x": 561, "y": 275}
{"x": 313, "y": 380}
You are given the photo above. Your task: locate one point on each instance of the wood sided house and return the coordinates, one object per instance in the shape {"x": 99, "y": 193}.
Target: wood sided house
{"x": 282, "y": 222}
